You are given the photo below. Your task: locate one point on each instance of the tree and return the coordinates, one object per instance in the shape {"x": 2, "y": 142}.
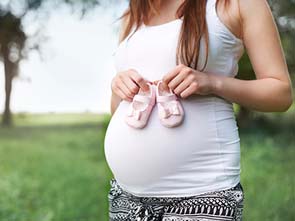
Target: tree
{"x": 13, "y": 39}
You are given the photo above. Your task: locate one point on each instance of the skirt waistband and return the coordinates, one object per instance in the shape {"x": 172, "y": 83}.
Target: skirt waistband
{"x": 116, "y": 190}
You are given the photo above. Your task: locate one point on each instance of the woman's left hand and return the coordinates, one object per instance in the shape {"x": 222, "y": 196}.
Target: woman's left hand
{"x": 185, "y": 81}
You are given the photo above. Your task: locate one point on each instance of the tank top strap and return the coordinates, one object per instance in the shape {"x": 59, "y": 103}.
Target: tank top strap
{"x": 212, "y": 13}
{"x": 211, "y": 3}
{"x": 211, "y": 9}
{"x": 211, "y": 6}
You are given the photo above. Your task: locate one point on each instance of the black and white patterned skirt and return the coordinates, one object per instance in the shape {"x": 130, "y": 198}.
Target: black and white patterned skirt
{"x": 217, "y": 205}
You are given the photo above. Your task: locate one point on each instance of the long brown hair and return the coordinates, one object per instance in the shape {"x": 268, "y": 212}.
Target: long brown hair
{"x": 193, "y": 28}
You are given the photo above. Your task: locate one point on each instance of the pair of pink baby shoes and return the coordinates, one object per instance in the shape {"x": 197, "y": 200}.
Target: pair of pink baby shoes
{"x": 170, "y": 110}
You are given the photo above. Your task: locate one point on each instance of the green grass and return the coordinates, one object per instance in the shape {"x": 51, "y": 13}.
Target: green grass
{"x": 268, "y": 178}
{"x": 53, "y": 168}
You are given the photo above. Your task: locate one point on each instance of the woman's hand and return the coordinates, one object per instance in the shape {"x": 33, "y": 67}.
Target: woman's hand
{"x": 185, "y": 81}
{"x": 127, "y": 83}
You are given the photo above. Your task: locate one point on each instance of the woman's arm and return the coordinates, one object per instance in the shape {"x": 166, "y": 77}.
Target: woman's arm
{"x": 115, "y": 101}
{"x": 272, "y": 89}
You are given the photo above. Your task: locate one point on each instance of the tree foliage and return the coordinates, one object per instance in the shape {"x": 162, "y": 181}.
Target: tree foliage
{"x": 13, "y": 38}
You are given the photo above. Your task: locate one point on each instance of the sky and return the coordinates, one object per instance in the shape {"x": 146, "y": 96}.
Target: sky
{"x": 77, "y": 66}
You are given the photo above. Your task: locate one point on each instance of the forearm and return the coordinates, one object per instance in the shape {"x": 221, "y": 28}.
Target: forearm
{"x": 265, "y": 95}
{"x": 115, "y": 100}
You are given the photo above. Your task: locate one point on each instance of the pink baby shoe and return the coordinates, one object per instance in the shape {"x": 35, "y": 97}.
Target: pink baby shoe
{"x": 141, "y": 107}
{"x": 170, "y": 110}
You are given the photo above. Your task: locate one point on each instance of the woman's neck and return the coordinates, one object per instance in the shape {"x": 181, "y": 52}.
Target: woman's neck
{"x": 167, "y": 12}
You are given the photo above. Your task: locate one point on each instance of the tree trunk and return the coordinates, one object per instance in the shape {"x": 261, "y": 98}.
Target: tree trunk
{"x": 8, "y": 69}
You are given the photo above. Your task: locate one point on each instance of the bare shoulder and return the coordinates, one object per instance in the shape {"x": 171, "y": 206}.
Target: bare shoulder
{"x": 262, "y": 40}
{"x": 236, "y": 13}
{"x": 255, "y": 9}
{"x": 229, "y": 13}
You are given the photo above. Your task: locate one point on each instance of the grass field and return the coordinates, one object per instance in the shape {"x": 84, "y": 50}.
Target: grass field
{"x": 53, "y": 168}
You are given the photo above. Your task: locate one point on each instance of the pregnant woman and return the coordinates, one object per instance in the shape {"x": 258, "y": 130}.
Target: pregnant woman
{"x": 191, "y": 171}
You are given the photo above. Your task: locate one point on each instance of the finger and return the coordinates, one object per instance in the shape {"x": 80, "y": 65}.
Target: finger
{"x": 178, "y": 79}
{"x": 171, "y": 74}
{"x": 122, "y": 95}
{"x": 139, "y": 80}
{"x": 155, "y": 82}
{"x": 182, "y": 86}
{"x": 133, "y": 88}
{"x": 191, "y": 89}
{"x": 125, "y": 89}
{"x": 163, "y": 85}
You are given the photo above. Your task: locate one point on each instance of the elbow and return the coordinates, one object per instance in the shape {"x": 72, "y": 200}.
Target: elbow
{"x": 286, "y": 106}
{"x": 283, "y": 99}
{"x": 288, "y": 101}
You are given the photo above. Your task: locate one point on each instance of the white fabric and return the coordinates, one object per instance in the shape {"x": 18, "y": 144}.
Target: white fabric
{"x": 200, "y": 155}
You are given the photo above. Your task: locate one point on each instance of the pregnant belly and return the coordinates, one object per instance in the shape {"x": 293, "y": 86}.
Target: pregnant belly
{"x": 144, "y": 156}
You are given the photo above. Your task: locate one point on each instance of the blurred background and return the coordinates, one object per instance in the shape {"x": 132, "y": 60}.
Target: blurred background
{"x": 55, "y": 72}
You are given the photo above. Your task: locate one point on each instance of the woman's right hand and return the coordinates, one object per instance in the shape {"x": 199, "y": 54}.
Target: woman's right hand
{"x": 127, "y": 83}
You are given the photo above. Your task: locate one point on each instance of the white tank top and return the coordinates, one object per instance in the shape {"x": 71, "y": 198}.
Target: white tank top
{"x": 200, "y": 155}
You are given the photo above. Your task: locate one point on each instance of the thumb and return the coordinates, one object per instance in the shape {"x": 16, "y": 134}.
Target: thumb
{"x": 144, "y": 84}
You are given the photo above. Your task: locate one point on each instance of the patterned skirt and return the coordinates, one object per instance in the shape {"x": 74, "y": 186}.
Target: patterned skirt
{"x": 217, "y": 205}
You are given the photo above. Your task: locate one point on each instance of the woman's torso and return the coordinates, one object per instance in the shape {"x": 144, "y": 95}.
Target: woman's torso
{"x": 200, "y": 155}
